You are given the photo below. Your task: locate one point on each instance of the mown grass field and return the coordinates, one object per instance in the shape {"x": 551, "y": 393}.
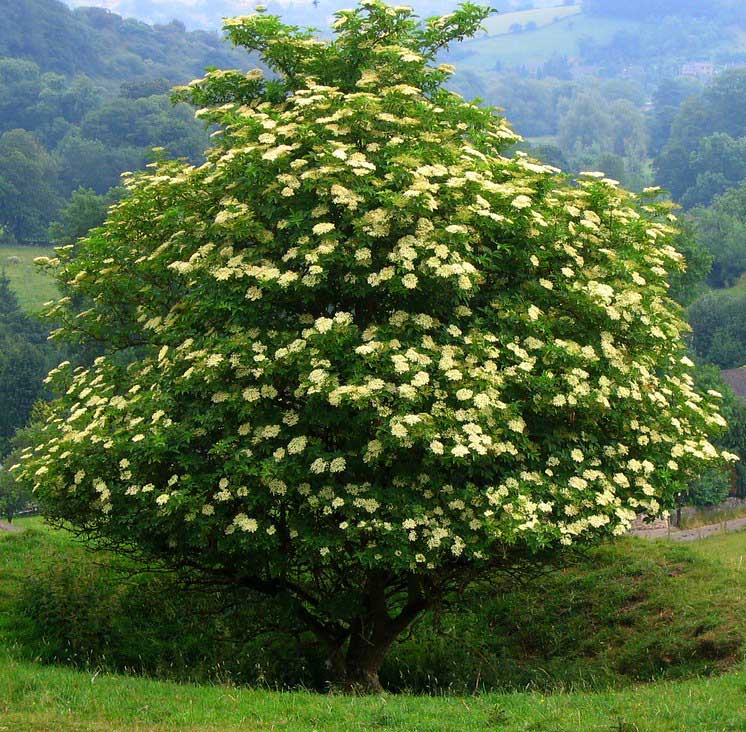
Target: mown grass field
{"x": 32, "y": 287}
{"x": 37, "y": 699}
{"x": 501, "y": 23}
{"x": 708, "y": 583}
{"x": 532, "y": 48}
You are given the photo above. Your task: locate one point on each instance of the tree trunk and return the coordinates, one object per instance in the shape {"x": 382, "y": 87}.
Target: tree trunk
{"x": 357, "y": 657}
{"x": 365, "y": 655}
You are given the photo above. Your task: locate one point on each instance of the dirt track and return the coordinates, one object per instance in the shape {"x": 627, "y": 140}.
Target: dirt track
{"x": 5, "y": 526}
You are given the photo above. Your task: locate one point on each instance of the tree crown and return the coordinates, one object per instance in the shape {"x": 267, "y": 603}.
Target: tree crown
{"x": 362, "y": 337}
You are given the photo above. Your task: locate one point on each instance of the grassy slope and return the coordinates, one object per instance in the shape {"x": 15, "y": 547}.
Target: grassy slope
{"x": 33, "y": 288}
{"x": 37, "y": 698}
{"x": 728, "y": 550}
{"x": 500, "y": 23}
{"x": 535, "y": 47}
{"x": 559, "y": 30}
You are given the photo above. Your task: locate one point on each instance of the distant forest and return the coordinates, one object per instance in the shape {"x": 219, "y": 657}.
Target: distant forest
{"x": 84, "y": 96}
{"x": 106, "y": 47}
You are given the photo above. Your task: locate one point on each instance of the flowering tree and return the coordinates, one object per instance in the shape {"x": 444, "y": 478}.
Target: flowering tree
{"x": 361, "y": 355}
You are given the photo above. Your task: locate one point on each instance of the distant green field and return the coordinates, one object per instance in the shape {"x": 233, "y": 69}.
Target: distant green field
{"x": 502, "y": 22}
{"x": 32, "y": 287}
{"x": 533, "y": 48}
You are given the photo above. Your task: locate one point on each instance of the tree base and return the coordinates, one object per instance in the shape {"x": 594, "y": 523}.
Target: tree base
{"x": 363, "y": 684}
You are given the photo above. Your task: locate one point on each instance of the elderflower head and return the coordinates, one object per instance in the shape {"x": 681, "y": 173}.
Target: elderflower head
{"x": 323, "y": 228}
{"x": 337, "y": 465}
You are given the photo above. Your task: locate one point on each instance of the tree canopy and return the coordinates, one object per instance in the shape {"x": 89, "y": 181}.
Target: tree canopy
{"x": 721, "y": 229}
{"x": 28, "y": 198}
{"x": 706, "y": 150}
{"x": 91, "y": 90}
{"x": 361, "y": 356}
{"x": 719, "y": 328}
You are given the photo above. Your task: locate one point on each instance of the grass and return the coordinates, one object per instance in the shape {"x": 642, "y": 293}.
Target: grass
{"x": 533, "y": 48}
{"x": 700, "y": 583}
{"x": 728, "y": 550}
{"x": 19, "y": 555}
{"x": 32, "y": 287}
{"x": 628, "y": 612}
{"x": 501, "y": 23}
{"x": 36, "y": 699}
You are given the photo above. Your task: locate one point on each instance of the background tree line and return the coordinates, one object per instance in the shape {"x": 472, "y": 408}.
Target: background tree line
{"x": 84, "y": 95}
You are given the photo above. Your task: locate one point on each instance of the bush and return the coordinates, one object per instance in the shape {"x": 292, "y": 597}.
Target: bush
{"x": 96, "y": 615}
{"x": 712, "y": 488}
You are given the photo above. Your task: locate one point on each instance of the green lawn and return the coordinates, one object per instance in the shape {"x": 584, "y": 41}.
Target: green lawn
{"x": 32, "y": 287}
{"x": 42, "y": 699}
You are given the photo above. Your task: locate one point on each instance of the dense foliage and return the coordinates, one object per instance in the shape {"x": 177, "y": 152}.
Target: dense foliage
{"x": 28, "y": 197}
{"x": 84, "y": 95}
{"x": 721, "y": 229}
{"x": 716, "y": 485}
{"x": 15, "y": 497}
{"x": 621, "y": 614}
{"x": 706, "y": 150}
{"x": 689, "y": 284}
{"x": 84, "y": 211}
{"x": 719, "y": 327}
{"x": 370, "y": 357}
{"x": 102, "y": 45}
{"x": 717, "y": 318}
{"x": 58, "y": 135}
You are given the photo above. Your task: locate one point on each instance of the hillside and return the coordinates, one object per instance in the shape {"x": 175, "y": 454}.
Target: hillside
{"x": 209, "y": 13}
{"x": 277, "y": 588}
{"x": 626, "y": 613}
{"x": 32, "y": 286}
{"x": 598, "y": 34}
{"x": 103, "y": 45}
{"x": 532, "y": 47}
{"x": 504, "y": 23}
{"x": 84, "y": 96}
